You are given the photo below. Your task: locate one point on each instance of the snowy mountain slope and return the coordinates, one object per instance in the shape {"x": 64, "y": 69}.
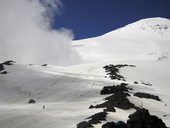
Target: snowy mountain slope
{"x": 40, "y": 83}
{"x": 129, "y": 43}
{"x": 65, "y": 95}
{"x": 157, "y": 74}
{"x": 67, "y": 92}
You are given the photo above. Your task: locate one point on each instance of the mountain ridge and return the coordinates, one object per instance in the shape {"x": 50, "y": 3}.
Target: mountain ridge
{"x": 129, "y": 41}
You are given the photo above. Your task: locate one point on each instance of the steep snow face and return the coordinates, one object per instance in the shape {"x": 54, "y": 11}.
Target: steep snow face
{"x": 146, "y": 39}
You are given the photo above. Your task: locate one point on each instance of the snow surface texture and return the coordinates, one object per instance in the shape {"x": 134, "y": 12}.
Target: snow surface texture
{"x": 142, "y": 40}
{"x": 67, "y": 92}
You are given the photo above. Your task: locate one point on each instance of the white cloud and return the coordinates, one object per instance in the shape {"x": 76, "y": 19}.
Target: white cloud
{"x": 25, "y": 34}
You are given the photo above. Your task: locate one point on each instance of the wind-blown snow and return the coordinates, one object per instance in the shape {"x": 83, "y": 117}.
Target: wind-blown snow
{"x": 26, "y": 36}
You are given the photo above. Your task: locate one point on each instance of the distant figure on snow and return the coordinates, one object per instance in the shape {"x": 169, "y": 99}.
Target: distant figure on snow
{"x": 43, "y": 107}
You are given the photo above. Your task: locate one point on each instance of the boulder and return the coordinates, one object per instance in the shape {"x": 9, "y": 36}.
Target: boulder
{"x": 135, "y": 82}
{"x": 31, "y": 101}
{"x": 44, "y": 65}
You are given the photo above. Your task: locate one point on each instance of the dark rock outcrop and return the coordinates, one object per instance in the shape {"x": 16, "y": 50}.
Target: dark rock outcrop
{"x": 119, "y": 124}
{"x": 44, "y": 65}
{"x": 146, "y": 95}
{"x": 109, "y": 108}
{"x": 84, "y": 124}
{"x": 31, "y": 101}
{"x": 147, "y": 84}
{"x": 113, "y": 89}
{"x": 1, "y": 67}
{"x": 135, "y": 82}
{"x": 113, "y": 71}
{"x": 139, "y": 119}
{"x": 97, "y": 118}
{"x": 119, "y": 100}
{"x": 94, "y": 119}
{"x": 142, "y": 119}
{"x": 9, "y": 62}
{"x": 109, "y": 125}
{"x": 4, "y": 72}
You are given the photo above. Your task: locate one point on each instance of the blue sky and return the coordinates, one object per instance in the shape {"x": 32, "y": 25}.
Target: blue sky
{"x": 90, "y": 18}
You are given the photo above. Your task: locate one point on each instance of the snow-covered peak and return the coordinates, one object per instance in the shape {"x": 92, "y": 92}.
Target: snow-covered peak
{"x": 161, "y": 23}
{"x": 145, "y": 39}
{"x": 159, "y": 26}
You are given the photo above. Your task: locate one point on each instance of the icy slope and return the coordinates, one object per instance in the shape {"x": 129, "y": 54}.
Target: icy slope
{"x": 142, "y": 40}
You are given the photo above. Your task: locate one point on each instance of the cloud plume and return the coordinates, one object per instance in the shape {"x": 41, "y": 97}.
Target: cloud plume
{"x": 25, "y": 34}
